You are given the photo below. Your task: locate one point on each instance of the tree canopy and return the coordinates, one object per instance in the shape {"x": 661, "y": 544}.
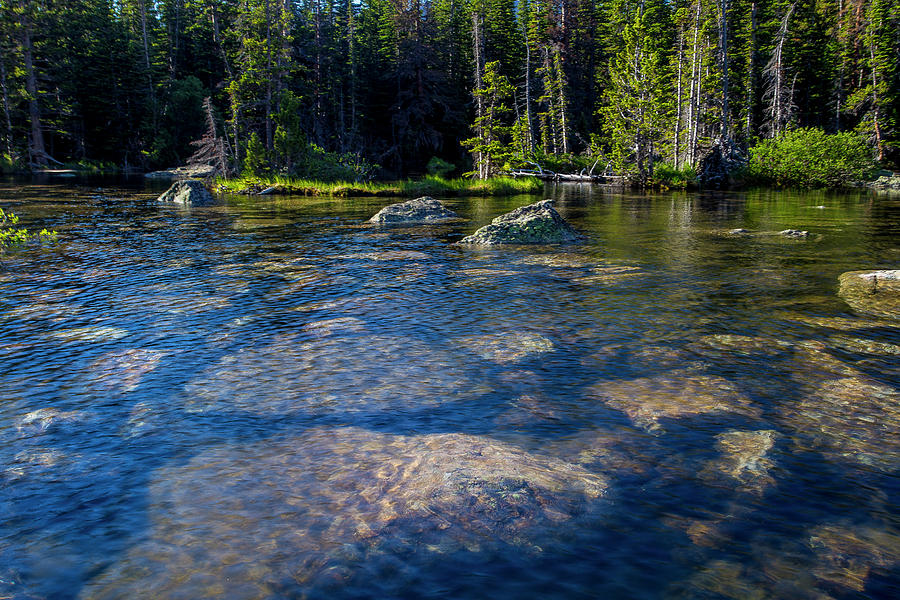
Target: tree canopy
{"x": 481, "y": 84}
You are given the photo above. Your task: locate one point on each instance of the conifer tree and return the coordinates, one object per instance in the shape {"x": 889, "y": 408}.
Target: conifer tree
{"x": 638, "y": 108}
{"x": 491, "y": 146}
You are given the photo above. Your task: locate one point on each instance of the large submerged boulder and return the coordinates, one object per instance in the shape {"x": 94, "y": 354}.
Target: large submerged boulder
{"x": 536, "y": 223}
{"x": 872, "y": 292}
{"x": 293, "y": 517}
{"x": 414, "y": 212}
{"x": 647, "y": 401}
{"x": 187, "y": 192}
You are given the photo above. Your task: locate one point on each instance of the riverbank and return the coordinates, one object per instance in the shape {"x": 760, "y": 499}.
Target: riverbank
{"x": 429, "y": 186}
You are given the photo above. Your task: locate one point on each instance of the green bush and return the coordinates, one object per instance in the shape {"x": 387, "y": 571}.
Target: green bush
{"x": 13, "y": 235}
{"x": 439, "y": 167}
{"x": 10, "y": 164}
{"x": 667, "y": 176}
{"x": 810, "y": 158}
{"x": 255, "y": 163}
{"x": 318, "y": 163}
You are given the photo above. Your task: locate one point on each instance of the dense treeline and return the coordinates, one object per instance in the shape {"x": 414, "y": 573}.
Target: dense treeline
{"x": 300, "y": 85}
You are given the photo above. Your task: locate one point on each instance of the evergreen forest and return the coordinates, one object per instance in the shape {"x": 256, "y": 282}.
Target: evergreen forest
{"x": 396, "y": 88}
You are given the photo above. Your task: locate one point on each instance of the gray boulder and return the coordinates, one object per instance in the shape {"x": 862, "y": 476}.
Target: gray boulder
{"x": 886, "y": 183}
{"x": 872, "y": 292}
{"x": 187, "y": 192}
{"x": 536, "y": 223}
{"x": 413, "y": 212}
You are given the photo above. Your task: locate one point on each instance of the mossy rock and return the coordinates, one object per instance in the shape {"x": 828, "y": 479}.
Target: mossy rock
{"x": 421, "y": 210}
{"x": 187, "y": 192}
{"x": 536, "y": 223}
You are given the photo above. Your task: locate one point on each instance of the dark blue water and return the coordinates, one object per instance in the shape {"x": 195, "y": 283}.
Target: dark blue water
{"x": 273, "y": 399}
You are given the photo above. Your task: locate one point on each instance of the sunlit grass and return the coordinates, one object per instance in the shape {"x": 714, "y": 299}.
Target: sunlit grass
{"x": 429, "y": 186}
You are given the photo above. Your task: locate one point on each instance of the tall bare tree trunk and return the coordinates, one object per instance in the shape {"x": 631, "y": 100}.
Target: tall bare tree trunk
{"x": 677, "y": 137}
{"x": 694, "y": 98}
{"x": 9, "y": 130}
{"x": 560, "y": 85}
{"x": 478, "y": 54}
{"x": 528, "y": 118}
{"x": 351, "y": 45}
{"x": 268, "y": 104}
{"x": 876, "y": 113}
{"x": 751, "y": 76}
{"x": 145, "y": 39}
{"x": 36, "y": 151}
{"x": 217, "y": 37}
{"x": 725, "y": 131}
{"x": 779, "y": 109}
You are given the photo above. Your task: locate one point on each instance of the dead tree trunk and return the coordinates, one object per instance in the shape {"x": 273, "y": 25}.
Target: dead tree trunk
{"x": 36, "y": 151}
{"x": 779, "y": 109}
{"x": 478, "y": 54}
{"x": 9, "y": 130}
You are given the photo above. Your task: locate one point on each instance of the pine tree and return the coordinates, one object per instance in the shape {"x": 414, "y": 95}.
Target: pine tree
{"x": 491, "y": 146}
{"x": 638, "y": 110}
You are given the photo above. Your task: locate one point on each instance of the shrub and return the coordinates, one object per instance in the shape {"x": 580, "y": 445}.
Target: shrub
{"x": 810, "y": 158}
{"x": 255, "y": 157}
{"x": 439, "y": 167}
{"x": 13, "y": 235}
{"x": 667, "y": 176}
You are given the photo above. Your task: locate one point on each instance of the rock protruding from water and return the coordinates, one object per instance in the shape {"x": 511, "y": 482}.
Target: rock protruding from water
{"x": 872, "y": 292}
{"x": 187, "y": 192}
{"x": 536, "y": 223}
{"x": 885, "y": 183}
{"x": 414, "y": 212}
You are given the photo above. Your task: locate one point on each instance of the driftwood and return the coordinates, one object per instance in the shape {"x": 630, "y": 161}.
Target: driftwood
{"x": 551, "y": 176}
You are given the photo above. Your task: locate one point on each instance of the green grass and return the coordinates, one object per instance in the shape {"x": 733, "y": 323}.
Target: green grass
{"x": 429, "y": 186}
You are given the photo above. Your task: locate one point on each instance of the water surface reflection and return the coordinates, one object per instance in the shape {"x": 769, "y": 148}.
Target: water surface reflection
{"x": 271, "y": 398}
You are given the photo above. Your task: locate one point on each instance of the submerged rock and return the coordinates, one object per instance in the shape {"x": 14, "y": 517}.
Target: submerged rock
{"x": 43, "y": 419}
{"x": 648, "y": 399}
{"x": 864, "y": 346}
{"x": 872, "y": 292}
{"x": 723, "y": 345}
{"x": 89, "y": 334}
{"x": 794, "y": 233}
{"x": 421, "y": 210}
{"x": 609, "y": 274}
{"x": 721, "y": 579}
{"x": 122, "y": 371}
{"x": 337, "y": 325}
{"x": 743, "y": 459}
{"x": 853, "y": 419}
{"x": 846, "y": 556}
{"x": 332, "y": 367}
{"x": 281, "y": 518}
{"x": 536, "y": 223}
{"x": 506, "y": 348}
{"x": 187, "y": 192}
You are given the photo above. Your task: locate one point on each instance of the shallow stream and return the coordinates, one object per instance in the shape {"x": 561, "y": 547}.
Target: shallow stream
{"x": 270, "y": 398}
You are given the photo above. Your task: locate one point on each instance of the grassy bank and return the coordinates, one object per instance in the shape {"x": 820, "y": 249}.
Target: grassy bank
{"x": 429, "y": 186}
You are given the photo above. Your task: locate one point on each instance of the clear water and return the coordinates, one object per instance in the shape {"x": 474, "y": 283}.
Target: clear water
{"x": 269, "y": 398}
